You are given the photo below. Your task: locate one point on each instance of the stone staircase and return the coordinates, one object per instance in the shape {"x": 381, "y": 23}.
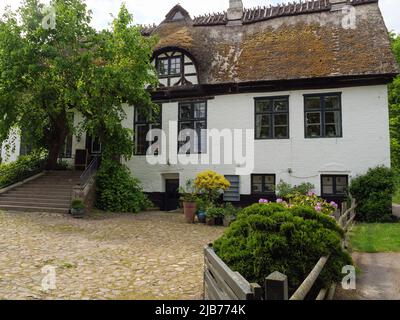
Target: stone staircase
{"x": 51, "y": 192}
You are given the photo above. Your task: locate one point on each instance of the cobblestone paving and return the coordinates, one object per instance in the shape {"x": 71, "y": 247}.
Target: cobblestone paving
{"x": 152, "y": 255}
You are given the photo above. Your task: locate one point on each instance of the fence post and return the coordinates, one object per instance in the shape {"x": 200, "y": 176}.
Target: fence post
{"x": 276, "y": 287}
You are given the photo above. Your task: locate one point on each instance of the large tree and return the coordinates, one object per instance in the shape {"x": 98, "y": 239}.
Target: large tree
{"x": 394, "y": 101}
{"x": 47, "y": 71}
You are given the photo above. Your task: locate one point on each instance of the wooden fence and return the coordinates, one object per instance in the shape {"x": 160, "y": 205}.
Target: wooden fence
{"x": 221, "y": 283}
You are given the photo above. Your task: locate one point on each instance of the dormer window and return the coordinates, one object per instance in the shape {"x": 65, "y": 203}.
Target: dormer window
{"x": 170, "y": 66}
{"x": 175, "y": 68}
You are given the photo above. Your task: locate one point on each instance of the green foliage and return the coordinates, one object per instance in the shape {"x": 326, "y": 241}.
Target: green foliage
{"x": 374, "y": 192}
{"x": 286, "y": 190}
{"x": 203, "y": 203}
{"x": 47, "y": 73}
{"x": 268, "y": 238}
{"x": 77, "y": 204}
{"x": 215, "y": 212}
{"x": 314, "y": 202}
{"x": 394, "y": 107}
{"x": 118, "y": 191}
{"x": 23, "y": 168}
{"x": 231, "y": 210}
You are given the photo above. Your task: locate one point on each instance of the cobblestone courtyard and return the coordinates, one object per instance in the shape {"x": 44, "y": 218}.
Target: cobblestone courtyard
{"x": 152, "y": 255}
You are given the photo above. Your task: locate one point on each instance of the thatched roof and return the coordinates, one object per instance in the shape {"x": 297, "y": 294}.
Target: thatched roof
{"x": 296, "y": 41}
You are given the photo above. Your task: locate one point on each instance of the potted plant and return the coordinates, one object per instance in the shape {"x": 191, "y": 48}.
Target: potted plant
{"x": 215, "y": 216}
{"x": 189, "y": 198}
{"x": 202, "y": 205}
{"x": 77, "y": 208}
{"x": 230, "y": 214}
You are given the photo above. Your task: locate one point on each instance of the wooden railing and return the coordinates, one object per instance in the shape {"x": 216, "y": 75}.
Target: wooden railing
{"x": 221, "y": 283}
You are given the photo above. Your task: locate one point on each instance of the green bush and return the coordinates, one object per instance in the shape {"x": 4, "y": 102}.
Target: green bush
{"x": 374, "y": 192}
{"x": 268, "y": 238}
{"x": 286, "y": 190}
{"x": 23, "y": 168}
{"x": 118, "y": 191}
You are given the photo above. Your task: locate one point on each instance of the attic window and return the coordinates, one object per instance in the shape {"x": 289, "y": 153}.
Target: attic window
{"x": 178, "y": 16}
{"x": 169, "y": 66}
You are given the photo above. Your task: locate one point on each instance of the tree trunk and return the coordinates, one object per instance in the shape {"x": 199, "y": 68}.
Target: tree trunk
{"x": 56, "y": 140}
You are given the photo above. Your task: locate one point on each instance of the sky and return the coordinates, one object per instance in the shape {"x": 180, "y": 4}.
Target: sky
{"x": 154, "y": 11}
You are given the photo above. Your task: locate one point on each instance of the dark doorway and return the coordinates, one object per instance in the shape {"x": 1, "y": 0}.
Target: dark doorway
{"x": 171, "y": 194}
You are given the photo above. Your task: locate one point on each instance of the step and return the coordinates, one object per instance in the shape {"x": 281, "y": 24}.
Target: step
{"x": 44, "y": 189}
{"x": 35, "y": 200}
{"x": 33, "y": 209}
{"x": 46, "y": 196}
{"x": 29, "y": 193}
{"x": 56, "y": 181}
{"x": 35, "y": 204}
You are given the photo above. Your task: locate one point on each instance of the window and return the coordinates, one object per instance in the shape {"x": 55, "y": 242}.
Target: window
{"x": 26, "y": 146}
{"x": 66, "y": 151}
{"x": 193, "y": 115}
{"x": 334, "y": 185}
{"x": 263, "y": 183}
{"x": 169, "y": 66}
{"x": 272, "y": 118}
{"x": 145, "y": 120}
{"x": 323, "y": 116}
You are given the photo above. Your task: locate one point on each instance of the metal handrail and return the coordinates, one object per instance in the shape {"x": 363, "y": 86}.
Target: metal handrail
{"x": 89, "y": 172}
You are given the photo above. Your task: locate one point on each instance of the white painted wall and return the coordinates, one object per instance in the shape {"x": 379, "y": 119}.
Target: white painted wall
{"x": 365, "y": 141}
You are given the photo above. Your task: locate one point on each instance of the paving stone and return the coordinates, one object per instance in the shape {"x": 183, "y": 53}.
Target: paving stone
{"x": 152, "y": 255}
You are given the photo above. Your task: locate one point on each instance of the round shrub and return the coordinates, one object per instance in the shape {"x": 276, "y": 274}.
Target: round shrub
{"x": 374, "y": 192}
{"x": 268, "y": 238}
{"x": 117, "y": 190}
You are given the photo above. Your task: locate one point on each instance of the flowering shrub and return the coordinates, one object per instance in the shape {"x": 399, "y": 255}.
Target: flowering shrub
{"x": 310, "y": 200}
{"x": 211, "y": 184}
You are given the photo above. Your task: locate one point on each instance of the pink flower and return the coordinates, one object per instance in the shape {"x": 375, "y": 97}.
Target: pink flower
{"x": 318, "y": 208}
{"x": 334, "y": 204}
{"x": 311, "y": 193}
{"x": 264, "y": 201}
{"x": 279, "y": 200}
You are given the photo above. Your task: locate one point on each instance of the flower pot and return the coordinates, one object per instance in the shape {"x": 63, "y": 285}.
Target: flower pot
{"x": 78, "y": 213}
{"x": 189, "y": 209}
{"x": 201, "y": 215}
{"x": 210, "y": 221}
{"x": 219, "y": 221}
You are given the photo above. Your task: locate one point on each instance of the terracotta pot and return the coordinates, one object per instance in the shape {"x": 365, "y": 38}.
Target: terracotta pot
{"x": 210, "y": 221}
{"x": 189, "y": 209}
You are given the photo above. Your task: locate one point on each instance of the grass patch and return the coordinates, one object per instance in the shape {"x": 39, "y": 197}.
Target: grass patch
{"x": 376, "y": 237}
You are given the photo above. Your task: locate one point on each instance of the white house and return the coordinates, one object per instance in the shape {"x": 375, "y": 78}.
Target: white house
{"x": 308, "y": 81}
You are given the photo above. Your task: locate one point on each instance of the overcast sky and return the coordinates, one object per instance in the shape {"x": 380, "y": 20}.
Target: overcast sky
{"x": 153, "y": 11}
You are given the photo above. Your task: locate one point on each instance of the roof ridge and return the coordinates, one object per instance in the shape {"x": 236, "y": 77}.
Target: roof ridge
{"x": 256, "y": 14}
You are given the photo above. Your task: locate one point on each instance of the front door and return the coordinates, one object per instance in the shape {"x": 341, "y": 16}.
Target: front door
{"x": 171, "y": 194}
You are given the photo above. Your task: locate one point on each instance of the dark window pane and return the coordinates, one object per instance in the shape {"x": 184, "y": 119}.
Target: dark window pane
{"x": 281, "y": 105}
{"x": 314, "y": 118}
{"x": 175, "y": 66}
{"x": 327, "y": 181}
{"x": 163, "y": 67}
{"x": 313, "y": 103}
{"x": 257, "y": 179}
{"x": 327, "y": 189}
{"x": 332, "y": 117}
{"x": 332, "y": 130}
{"x": 263, "y": 106}
{"x": 314, "y": 131}
{"x": 141, "y": 143}
{"x": 341, "y": 181}
{"x": 199, "y": 110}
{"x": 281, "y": 132}
{"x": 263, "y": 127}
{"x": 256, "y": 188}
{"x": 185, "y": 111}
{"x": 332, "y": 102}
{"x": 281, "y": 119}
